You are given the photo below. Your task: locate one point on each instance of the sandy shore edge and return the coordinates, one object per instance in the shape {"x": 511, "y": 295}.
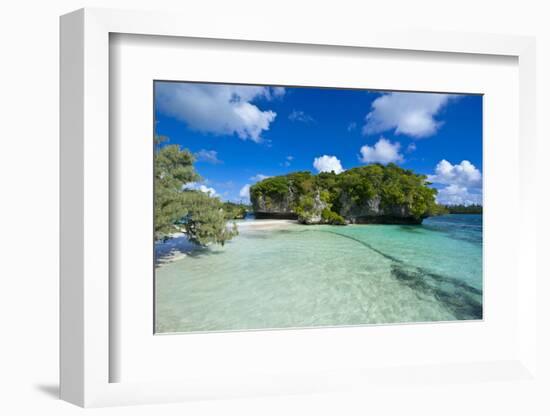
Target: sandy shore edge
{"x": 178, "y": 246}
{"x": 264, "y": 224}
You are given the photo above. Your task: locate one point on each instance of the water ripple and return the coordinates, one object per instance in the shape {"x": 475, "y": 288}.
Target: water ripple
{"x": 463, "y": 300}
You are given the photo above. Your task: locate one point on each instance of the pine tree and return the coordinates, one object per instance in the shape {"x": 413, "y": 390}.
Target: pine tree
{"x": 198, "y": 214}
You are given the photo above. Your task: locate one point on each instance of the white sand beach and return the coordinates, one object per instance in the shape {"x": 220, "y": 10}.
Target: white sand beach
{"x": 178, "y": 246}
{"x": 252, "y": 225}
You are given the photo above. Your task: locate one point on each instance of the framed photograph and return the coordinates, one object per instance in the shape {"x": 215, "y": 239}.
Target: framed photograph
{"x": 293, "y": 207}
{"x": 273, "y": 214}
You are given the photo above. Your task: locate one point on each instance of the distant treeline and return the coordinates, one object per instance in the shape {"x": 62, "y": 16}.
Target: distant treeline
{"x": 464, "y": 209}
{"x": 235, "y": 211}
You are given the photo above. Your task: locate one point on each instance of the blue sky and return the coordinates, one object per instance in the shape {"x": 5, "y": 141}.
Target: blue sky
{"x": 241, "y": 134}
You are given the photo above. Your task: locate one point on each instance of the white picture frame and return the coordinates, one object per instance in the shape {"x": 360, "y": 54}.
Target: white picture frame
{"x": 86, "y": 356}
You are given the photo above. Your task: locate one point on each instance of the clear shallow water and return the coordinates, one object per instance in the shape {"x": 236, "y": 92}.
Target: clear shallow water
{"x": 304, "y": 276}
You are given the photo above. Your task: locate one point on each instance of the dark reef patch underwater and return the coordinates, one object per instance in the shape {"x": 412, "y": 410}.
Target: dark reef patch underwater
{"x": 462, "y": 300}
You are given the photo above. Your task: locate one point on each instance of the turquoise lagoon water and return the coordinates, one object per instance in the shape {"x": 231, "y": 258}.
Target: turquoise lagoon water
{"x": 308, "y": 276}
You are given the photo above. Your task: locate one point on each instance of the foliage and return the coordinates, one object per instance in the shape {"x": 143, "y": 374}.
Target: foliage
{"x": 206, "y": 222}
{"x": 331, "y": 217}
{"x": 308, "y": 210}
{"x": 235, "y": 211}
{"x": 201, "y": 216}
{"x": 464, "y": 209}
{"x": 173, "y": 169}
{"x": 392, "y": 185}
{"x": 275, "y": 187}
{"x": 305, "y": 208}
{"x": 438, "y": 209}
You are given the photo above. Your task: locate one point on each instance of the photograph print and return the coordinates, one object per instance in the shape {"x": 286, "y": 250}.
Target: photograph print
{"x": 302, "y": 207}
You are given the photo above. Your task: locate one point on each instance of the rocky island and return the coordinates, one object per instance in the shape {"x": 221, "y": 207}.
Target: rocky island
{"x": 369, "y": 194}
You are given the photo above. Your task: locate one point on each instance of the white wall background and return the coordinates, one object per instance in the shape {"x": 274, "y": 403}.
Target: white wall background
{"x": 29, "y": 204}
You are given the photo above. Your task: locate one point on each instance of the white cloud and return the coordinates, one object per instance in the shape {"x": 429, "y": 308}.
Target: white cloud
{"x": 352, "y": 126}
{"x": 287, "y": 161}
{"x": 245, "y": 191}
{"x": 218, "y": 109}
{"x": 463, "y": 183}
{"x": 459, "y": 195}
{"x": 297, "y": 115}
{"x": 200, "y": 187}
{"x": 259, "y": 177}
{"x": 277, "y": 92}
{"x": 327, "y": 164}
{"x": 412, "y": 114}
{"x": 465, "y": 174}
{"x": 209, "y": 156}
{"x": 411, "y": 147}
{"x": 383, "y": 151}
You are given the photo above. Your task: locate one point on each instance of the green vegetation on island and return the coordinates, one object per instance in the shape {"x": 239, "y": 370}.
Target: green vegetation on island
{"x": 373, "y": 193}
{"x": 234, "y": 210}
{"x": 201, "y": 216}
{"x": 464, "y": 209}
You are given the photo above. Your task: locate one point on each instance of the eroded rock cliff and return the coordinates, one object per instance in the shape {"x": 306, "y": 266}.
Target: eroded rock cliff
{"x": 369, "y": 194}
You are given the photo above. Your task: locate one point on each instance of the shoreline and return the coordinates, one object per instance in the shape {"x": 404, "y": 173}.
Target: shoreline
{"x": 177, "y": 247}
{"x": 268, "y": 224}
